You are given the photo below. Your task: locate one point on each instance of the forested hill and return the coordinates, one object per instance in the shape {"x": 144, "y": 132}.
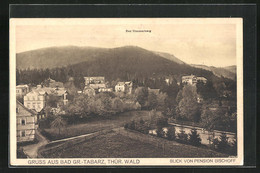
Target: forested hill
{"x": 232, "y": 68}
{"x": 56, "y": 57}
{"x": 128, "y": 63}
{"x": 68, "y": 55}
{"x": 227, "y": 72}
{"x": 124, "y": 63}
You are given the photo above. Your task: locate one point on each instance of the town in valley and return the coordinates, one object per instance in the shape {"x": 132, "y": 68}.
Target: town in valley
{"x": 125, "y": 102}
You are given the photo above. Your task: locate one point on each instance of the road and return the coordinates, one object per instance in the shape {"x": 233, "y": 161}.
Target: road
{"x": 204, "y": 134}
{"x": 32, "y": 150}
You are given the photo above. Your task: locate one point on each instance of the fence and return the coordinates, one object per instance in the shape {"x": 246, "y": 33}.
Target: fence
{"x": 63, "y": 144}
{"x": 165, "y": 145}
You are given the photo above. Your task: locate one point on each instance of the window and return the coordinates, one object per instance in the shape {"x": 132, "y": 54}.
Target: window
{"x": 23, "y": 122}
{"x": 17, "y": 110}
{"x": 23, "y": 133}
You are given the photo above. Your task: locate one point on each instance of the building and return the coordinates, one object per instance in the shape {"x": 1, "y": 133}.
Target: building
{"x": 35, "y": 100}
{"x": 105, "y": 90}
{"x": 155, "y": 91}
{"x": 53, "y": 84}
{"x": 89, "y": 91}
{"x": 202, "y": 79}
{"x": 193, "y": 80}
{"x": 62, "y": 93}
{"x": 26, "y": 123}
{"x": 124, "y": 87}
{"x": 94, "y": 80}
{"x": 22, "y": 90}
{"x": 97, "y": 86}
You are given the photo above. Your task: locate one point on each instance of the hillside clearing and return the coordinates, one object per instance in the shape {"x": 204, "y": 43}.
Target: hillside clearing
{"x": 114, "y": 145}
{"x": 94, "y": 126}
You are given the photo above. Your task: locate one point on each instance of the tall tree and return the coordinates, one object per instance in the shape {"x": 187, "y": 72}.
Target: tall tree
{"x": 194, "y": 138}
{"x": 141, "y": 94}
{"x": 188, "y": 108}
{"x": 59, "y": 123}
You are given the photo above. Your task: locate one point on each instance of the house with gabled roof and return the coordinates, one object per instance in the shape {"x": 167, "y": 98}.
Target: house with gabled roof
{"x": 35, "y": 100}
{"x": 26, "y": 123}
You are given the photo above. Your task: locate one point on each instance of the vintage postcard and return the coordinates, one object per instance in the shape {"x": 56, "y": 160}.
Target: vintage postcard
{"x": 126, "y": 92}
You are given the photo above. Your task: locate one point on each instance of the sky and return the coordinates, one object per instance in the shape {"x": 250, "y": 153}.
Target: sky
{"x": 211, "y": 42}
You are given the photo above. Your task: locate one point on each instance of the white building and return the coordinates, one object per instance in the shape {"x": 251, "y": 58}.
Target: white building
{"x": 125, "y": 87}
{"x": 94, "y": 80}
{"x": 105, "y": 90}
{"x": 202, "y": 79}
{"x": 35, "y": 100}
{"x": 193, "y": 80}
{"x": 89, "y": 91}
{"x": 22, "y": 90}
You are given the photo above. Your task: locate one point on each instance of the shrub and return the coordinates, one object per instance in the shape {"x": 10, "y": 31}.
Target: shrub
{"x": 182, "y": 136}
{"x": 126, "y": 126}
{"x": 215, "y": 143}
{"x": 194, "y": 138}
{"x": 132, "y": 125}
{"x": 20, "y": 153}
{"x": 233, "y": 150}
{"x": 171, "y": 133}
{"x": 223, "y": 145}
{"x": 160, "y": 132}
{"x": 161, "y": 121}
{"x": 141, "y": 121}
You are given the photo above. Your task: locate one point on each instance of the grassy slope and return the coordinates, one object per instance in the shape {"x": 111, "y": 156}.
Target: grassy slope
{"x": 114, "y": 145}
{"x": 80, "y": 129}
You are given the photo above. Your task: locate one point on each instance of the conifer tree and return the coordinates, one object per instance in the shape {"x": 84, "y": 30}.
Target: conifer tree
{"x": 194, "y": 138}
{"x": 223, "y": 145}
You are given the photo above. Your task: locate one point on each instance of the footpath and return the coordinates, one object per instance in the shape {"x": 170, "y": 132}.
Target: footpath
{"x": 32, "y": 150}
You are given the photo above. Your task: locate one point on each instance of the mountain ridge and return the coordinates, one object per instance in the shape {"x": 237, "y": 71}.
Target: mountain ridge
{"x": 59, "y": 56}
{"x": 227, "y": 72}
{"x": 127, "y": 59}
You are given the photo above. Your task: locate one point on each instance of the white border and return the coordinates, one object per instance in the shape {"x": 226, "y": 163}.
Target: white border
{"x": 157, "y": 21}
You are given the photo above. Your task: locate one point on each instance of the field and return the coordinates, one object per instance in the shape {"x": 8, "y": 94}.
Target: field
{"x": 94, "y": 126}
{"x": 115, "y": 145}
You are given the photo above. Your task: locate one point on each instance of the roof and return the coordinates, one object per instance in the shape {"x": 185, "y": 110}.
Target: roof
{"x": 124, "y": 83}
{"x": 96, "y": 86}
{"x": 128, "y": 83}
{"x": 95, "y": 77}
{"x": 153, "y": 90}
{"x": 60, "y": 91}
{"x": 120, "y": 83}
{"x": 88, "y": 87}
{"x": 33, "y": 112}
{"x": 190, "y": 76}
{"x": 201, "y": 78}
{"x": 22, "y": 86}
{"x": 36, "y": 92}
{"x": 50, "y": 90}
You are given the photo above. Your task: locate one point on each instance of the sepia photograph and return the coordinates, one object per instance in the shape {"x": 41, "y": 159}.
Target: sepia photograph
{"x": 126, "y": 91}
